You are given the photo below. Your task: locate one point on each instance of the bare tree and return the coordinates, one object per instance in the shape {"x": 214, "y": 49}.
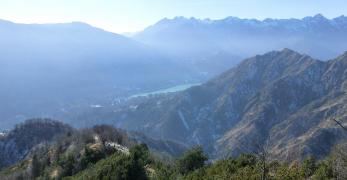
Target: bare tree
{"x": 340, "y": 157}
{"x": 339, "y": 162}
{"x": 261, "y": 150}
{"x": 340, "y": 124}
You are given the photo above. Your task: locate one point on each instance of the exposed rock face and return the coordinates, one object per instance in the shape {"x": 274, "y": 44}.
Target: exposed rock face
{"x": 15, "y": 145}
{"x": 281, "y": 99}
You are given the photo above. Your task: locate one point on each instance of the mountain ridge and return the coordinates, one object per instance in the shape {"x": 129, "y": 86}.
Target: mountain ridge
{"x": 248, "y": 37}
{"x": 315, "y": 18}
{"x": 265, "y": 99}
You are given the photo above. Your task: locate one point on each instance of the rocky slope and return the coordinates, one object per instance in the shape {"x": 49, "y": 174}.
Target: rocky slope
{"x": 281, "y": 100}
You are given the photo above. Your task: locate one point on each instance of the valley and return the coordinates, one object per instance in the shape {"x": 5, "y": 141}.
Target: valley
{"x": 266, "y": 99}
{"x": 163, "y": 90}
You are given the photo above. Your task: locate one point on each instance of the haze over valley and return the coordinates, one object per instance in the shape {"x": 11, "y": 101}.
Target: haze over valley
{"x": 60, "y": 66}
{"x": 183, "y": 98}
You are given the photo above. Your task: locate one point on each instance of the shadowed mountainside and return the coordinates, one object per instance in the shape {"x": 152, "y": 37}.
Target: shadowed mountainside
{"x": 282, "y": 99}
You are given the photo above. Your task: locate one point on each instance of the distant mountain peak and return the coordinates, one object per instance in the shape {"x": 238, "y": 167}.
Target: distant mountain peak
{"x": 283, "y": 52}
{"x": 287, "y": 50}
{"x": 231, "y": 18}
{"x": 79, "y": 23}
{"x": 316, "y": 18}
{"x": 319, "y": 16}
{"x": 234, "y": 18}
{"x": 343, "y": 56}
{"x": 341, "y": 17}
{"x": 181, "y": 20}
{"x": 5, "y": 22}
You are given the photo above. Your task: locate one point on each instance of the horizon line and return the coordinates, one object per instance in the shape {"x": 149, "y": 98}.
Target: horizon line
{"x": 168, "y": 18}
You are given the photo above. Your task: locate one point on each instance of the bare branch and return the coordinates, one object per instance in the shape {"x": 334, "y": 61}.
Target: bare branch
{"x": 340, "y": 124}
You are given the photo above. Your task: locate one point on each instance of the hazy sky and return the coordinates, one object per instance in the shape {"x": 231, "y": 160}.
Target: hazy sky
{"x": 134, "y": 15}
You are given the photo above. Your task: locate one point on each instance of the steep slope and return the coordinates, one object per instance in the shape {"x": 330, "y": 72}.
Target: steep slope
{"x": 318, "y": 36}
{"x": 16, "y": 144}
{"x": 47, "y": 68}
{"x": 281, "y": 99}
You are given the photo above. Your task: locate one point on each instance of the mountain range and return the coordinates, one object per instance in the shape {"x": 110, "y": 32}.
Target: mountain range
{"x": 282, "y": 100}
{"x": 195, "y": 39}
{"x": 48, "y": 70}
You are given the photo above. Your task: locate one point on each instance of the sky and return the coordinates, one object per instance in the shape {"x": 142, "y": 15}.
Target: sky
{"x": 134, "y": 15}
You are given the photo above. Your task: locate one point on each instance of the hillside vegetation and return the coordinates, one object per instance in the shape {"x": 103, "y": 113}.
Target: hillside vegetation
{"x": 140, "y": 164}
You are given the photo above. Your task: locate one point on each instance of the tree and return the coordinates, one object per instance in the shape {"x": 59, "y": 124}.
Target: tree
{"x": 163, "y": 171}
{"x": 340, "y": 157}
{"x": 262, "y": 152}
{"x": 67, "y": 163}
{"x": 308, "y": 167}
{"x": 323, "y": 171}
{"x": 260, "y": 148}
{"x": 35, "y": 167}
{"x": 191, "y": 160}
{"x": 91, "y": 156}
{"x": 139, "y": 155}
